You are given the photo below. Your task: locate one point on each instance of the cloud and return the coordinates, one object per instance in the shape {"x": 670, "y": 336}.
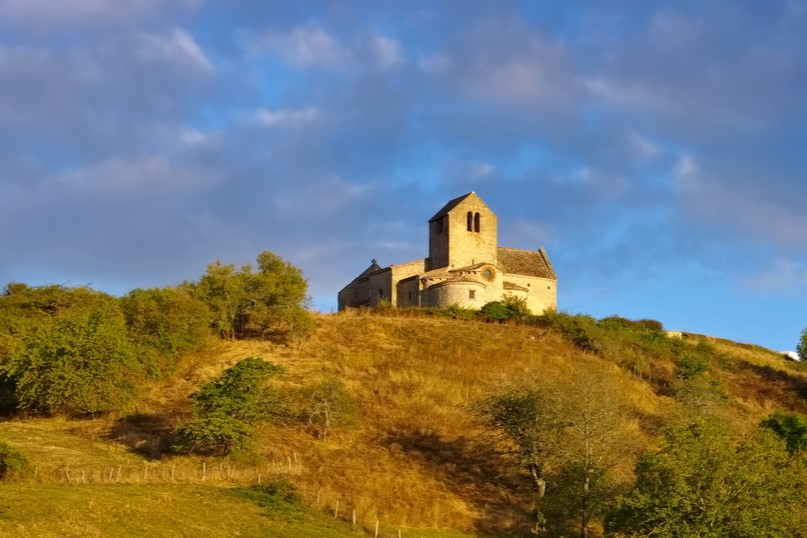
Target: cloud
{"x": 178, "y": 48}
{"x": 65, "y": 12}
{"x": 293, "y": 118}
{"x": 780, "y": 276}
{"x": 306, "y": 46}
{"x": 385, "y": 52}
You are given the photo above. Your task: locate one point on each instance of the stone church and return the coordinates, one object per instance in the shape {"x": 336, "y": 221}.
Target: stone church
{"x": 466, "y": 267}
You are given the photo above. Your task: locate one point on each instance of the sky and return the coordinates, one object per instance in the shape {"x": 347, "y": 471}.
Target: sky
{"x": 656, "y": 149}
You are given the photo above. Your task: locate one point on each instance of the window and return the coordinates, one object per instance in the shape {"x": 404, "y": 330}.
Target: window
{"x": 472, "y": 294}
{"x": 476, "y": 222}
{"x": 439, "y": 225}
{"x": 381, "y": 293}
{"x": 470, "y": 221}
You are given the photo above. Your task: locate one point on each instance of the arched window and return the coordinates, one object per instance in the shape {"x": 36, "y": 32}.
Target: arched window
{"x": 476, "y": 222}
{"x": 470, "y": 221}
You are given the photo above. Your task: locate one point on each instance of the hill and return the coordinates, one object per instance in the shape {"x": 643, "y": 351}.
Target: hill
{"x": 416, "y": 456}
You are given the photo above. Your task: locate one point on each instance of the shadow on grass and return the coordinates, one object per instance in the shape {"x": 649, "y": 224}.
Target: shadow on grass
{"x": 147, "y": 434}
{"x": 472, "y": 470}
{"x": 778, "y": 385}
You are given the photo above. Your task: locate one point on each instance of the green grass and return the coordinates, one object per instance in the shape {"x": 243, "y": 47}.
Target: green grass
{"x": 160, "y": 510}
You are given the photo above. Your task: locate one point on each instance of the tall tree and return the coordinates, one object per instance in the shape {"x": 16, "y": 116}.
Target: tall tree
{"x": 567, "y": 436}
{"x": 705, "y": 483}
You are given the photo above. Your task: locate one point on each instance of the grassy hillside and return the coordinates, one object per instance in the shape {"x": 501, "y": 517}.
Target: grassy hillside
{"x": 415, "y": 458}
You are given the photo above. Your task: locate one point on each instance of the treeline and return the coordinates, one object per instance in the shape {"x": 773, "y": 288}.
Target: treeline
{"x": 79, "y": 351}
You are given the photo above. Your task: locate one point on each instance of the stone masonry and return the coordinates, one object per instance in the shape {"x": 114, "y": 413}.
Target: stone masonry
{"x": 465, "y": 267}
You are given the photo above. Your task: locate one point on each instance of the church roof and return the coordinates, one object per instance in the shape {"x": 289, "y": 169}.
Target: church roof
{"x": 451, "y": 205}
{"x": 526, "y": 262}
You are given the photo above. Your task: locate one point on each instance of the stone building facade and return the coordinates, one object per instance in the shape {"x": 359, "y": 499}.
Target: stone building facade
{"x": 466, "y": 267}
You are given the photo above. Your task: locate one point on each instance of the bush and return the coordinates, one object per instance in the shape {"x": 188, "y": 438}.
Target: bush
{"x": 226, "y": 409}
{"x": 166, "y": 321}
{"x": 12, "y": 461}
{"x": 801, "y": 348}
{"x": 455, "y": 311}
{"x": 495, "y": 311}
{"x": 70, "y": 352}
{"x": 691, "y": 365}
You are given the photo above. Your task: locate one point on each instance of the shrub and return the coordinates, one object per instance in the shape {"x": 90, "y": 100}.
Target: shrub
{"x": 166, "y": 320}
{"x": 495, "y": 311}
{"x": 71, "y": 352}
{"x": 791, "y": 427}
{"x": 691, "y": 365}
{"x": 226, "y": 409}
{"x": 457, "y": 312}
{"x": 12, "y": 461}
{"x": 801, "y": 348}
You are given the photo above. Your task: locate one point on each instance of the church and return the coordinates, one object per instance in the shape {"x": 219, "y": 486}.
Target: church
{"x": 466, "y": 267}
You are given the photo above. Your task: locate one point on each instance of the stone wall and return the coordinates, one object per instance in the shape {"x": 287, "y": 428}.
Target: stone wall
{"x": 542, "y": 292}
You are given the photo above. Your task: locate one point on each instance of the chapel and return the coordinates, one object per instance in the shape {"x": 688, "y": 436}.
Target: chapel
{"x": 465, "y": 266}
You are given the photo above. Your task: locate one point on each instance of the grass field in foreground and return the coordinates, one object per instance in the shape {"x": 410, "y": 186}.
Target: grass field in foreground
{"x": 161, "y": 510}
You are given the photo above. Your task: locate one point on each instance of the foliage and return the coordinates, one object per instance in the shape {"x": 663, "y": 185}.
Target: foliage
{"x": 166, "y": 321}
{"x": 328, "y": 403}
{"x": 791, "y": 427}
{"x": 226, "y": 409}
{"x": 455, "y": 311}
{"x": 703, "y": 483}
{"x": 12, "y": 461}
{"x": 70, "y": 351}
{"x": 691, "y": 365}
{"x": 509, "y": 308}
{"x": 244, "y": 302}
{"x": 801, "y": 347}
{"x": 566, "y": 437}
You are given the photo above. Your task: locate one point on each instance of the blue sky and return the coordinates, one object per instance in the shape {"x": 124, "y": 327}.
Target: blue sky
{"x": 658, "y": 150}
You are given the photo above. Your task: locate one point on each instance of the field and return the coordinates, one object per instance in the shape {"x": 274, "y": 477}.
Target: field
{"x": 414, "y": 458}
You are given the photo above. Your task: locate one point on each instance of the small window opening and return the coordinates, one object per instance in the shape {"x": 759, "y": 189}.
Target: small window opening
{"x": 476, "y": 222}
{"x": 440, "y": 225}
{"x": 472, "y": 294}
{"x": 381, "y": 293}
{"x": 470, "y": 221}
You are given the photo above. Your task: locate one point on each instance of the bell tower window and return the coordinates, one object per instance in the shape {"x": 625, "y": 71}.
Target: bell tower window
{"x": 470, "y": 221}
{"x": 476, "y": 221}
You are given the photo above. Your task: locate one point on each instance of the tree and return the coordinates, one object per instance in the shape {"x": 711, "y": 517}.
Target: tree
{"x": 226, "y": 409}
{"x": 705, "y": 483}
{"x": 567, "y": 436}
{"x": 166, "y": 321}
{"x": 328, "y": 403}
{"x": 801, "y": 348}
{"x": 244, "y": 302}
{"x": 70, "y": 352}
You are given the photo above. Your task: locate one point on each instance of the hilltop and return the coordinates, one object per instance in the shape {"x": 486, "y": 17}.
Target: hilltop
{"x": 415, "y": 454}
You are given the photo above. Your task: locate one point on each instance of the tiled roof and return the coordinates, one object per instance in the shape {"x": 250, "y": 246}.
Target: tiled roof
{"x": 450, "y": 205}
{"x": 526, "y": 262}
{"x": 511, "y": 286}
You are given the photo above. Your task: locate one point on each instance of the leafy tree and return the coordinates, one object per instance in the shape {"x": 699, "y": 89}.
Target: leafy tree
{"x": 567, "y": 437}
{"x": 328, "y": 403}
{"x": 801, "y": 348}
{"x": 69, "y": 351}
{"x": 166, "y": 321}
{"x": 244, "y": 302}
{"x": 226, "y": 409}
{"x": 704, "y": 483}
{"x": 791, "y": 427}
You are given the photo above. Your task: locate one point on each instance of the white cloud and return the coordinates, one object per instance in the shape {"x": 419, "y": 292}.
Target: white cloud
{"x": 178, "y": 47}
{"x": 293, "y": 118}
{"x": 780, "y": 276}
{"x": 49, "y": 13}
{"x": 306, "y": 46}
{"x": 133, "y": 178}
{"x": 386, "y": 52}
